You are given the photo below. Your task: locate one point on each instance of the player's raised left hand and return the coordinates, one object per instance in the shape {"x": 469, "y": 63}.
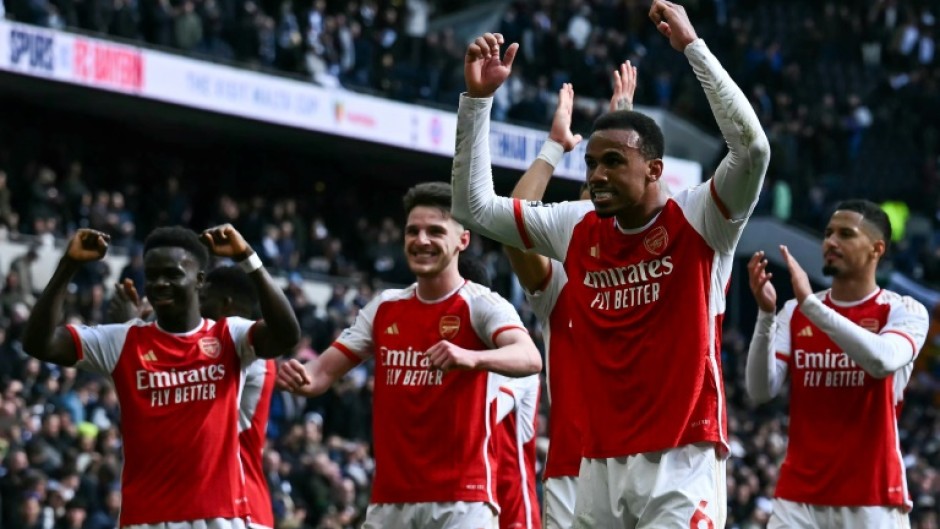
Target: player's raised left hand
{"x": 624, "y": 81}
{"x": 446, "y": 356}
{"x": 801, "y": 287}
{"x": 561, "y": 123}
{"x": 672, "y": 21}
{"x": 225, "y": 241}
{"x": 483, "y": 69}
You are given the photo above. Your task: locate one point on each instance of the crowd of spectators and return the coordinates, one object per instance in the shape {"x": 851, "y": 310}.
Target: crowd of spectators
{"x": 840, "y": 86}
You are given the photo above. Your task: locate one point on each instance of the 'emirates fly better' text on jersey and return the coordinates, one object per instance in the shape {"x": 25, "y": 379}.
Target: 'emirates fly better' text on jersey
{"x": 648, "y": 304}
{"x": 432, "y": 429}
{"x": 179, "y": 415}
{"x": 844, "y": 448}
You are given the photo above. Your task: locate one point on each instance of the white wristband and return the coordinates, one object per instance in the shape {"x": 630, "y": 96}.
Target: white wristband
{"x": 250, "y": 263}
{"x": 552, "y": 152}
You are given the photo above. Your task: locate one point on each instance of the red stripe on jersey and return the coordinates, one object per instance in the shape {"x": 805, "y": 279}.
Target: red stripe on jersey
{"x": 548, "y": 277}
{"x": 520, "y": 223}
{"x": 348, "y": 352}
{"x": 909, "y": 339}
{"x": 781, "y": 356}
{"x": 718, "y": 202}
{"x": 507, "y": 391}
{"x": 79, "y": 354}
{"x": 501, "y": 330}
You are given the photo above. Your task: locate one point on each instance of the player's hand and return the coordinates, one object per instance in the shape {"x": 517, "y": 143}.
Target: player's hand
{"x": 759, "y": 278}
{"x": 88, "y": 245}
{"x": 561, "y": 123}
{"x": 801, "y": 287}
{"x": 483, "y": 70}
{"x": 125, "y": 304}
{"x": 292, "y": 376}
{"x": 445, "y": 356}
{"x": 624, "y": 81}
{"x": 225, "y": 241}
{"x": 672, "y": 21}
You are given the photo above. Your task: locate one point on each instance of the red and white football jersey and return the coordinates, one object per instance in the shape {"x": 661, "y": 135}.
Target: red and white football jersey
{"x": 651, "y": 302}
{"x": 179, "y": 415}
{"x": 566, "y": 412}
{"x": 844, "y": 448}
{"x": 515, "y": 447}
{"x": 254, "y": 408}
{"x": 432, "y": 429}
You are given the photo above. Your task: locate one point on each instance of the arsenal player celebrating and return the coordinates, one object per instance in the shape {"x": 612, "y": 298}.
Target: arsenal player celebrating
{"x": 433, "y": 344}
{"x": 849, "y": 352}
{"x": 177, "y": 379}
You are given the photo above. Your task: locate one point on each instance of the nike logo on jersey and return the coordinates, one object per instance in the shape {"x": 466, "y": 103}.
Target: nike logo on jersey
{"x": 392, "y": 329}
{"x": 806, "y": 332}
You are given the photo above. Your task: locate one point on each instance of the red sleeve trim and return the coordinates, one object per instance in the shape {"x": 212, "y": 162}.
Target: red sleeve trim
{"x": 908, "y": 338}
{"x": 718, "y": 202}
{"x": 79, "y": 352}
{"x": 548, "y": 277}
{"x": 348, "y": 352}
{"x": 520, "y": 223}
{"x": 507, "y": 328}
{"x": 781, "y": 356}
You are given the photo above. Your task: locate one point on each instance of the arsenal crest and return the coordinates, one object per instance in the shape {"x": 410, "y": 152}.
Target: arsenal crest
{"x": 656, "y": 240}
{"x": 210, "y": 346}
{"x": 870, "y": 324}
{"x": 449, "y": 326}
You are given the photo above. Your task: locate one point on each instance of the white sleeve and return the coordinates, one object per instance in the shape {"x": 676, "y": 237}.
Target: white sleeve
{"x": 766, "y": 372}
{"x": 878, "y": 354}
{"x": 531, "y": 225}
{"x": 490, "y": 314}
{"x": 738, "y": 180}
{"x": 525, "y": 393}
{"x": 251, "y": 392}
{"x": 240, "y": 330}
{"x": 101, "y": 345}
{"x": 543, "y": 301}
{"x": 357, "y": 339}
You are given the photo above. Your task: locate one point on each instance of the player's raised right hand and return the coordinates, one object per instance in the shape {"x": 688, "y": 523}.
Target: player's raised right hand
{"x": 483, "y": 69}
{"x": 624, "y": 81}
{"x": 88, "y": 245}
{"x": 759, "y": 279}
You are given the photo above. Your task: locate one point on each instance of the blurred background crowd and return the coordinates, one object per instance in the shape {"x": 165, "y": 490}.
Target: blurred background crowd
{"x": 848, "y": 92}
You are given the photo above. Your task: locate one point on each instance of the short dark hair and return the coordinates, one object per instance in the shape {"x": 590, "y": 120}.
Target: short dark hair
{"x": 871, "y": 212}
{"x": 652, "y": 143}
{"x": 473, "y": 269}
{"x": 178, "y": 237}
{"x": 233, "y": 282}
{"x": 431, "y": 194}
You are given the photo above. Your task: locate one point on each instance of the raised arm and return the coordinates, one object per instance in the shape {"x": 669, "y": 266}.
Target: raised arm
{"x": 279, "y": 332}
{"x": 739, "y": 177}
{"x": 878, "y": 354}
{"x": 533, "y": 269}
{"x": 316, "y": 376}
{"x": 43, "y": 336}
{"x": 764, "y": 374}
{"x": 514, "y": 356}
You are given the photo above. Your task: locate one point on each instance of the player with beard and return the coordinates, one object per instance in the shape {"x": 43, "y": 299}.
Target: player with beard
{"x": 177, "y": 378}
{"x": 849, "y": 352}
{"x": 434, "y": 344}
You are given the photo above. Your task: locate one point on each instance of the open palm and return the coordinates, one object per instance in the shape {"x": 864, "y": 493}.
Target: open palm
{"x": 484, "y": 70}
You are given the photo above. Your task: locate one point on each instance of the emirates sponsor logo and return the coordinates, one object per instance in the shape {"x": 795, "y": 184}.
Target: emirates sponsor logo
{"x": 824, "y": 360}
{"x": 633, "y": 274}
{"x": 210, "y": 346}
{"x": 449, "y": 327}
{"x": 656, "y": 240}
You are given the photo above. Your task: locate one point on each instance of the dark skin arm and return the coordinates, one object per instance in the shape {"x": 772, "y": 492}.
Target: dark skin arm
{"x": 279, "y": 332}
{"x": 43, "y": 337}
